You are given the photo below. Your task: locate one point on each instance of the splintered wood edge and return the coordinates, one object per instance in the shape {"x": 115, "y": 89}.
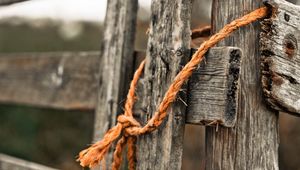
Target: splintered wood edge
{"x": 228, "y": 80}
{"x": 280, "y": 56}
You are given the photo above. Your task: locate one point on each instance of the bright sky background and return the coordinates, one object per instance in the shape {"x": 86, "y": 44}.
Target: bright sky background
{"x": 66, "y": 10}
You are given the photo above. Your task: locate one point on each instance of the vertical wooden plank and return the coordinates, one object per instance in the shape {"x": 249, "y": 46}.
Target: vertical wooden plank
{"x": 253, "y": 142}
{"x": 116, "y": 63}
{"x": 168, "y": 50}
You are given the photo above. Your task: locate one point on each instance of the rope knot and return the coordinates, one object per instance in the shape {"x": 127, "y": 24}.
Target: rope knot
{"x": 128, "y": 121}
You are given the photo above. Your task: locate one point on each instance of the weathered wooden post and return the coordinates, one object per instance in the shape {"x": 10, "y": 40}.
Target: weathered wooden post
{"x": 116, "y": 64}
{"x": 168, "y": 49}
{"x": 253, "y": 142}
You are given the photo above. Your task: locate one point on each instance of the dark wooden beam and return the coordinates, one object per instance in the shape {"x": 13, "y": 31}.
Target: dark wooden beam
{"x": 280, "y": 48}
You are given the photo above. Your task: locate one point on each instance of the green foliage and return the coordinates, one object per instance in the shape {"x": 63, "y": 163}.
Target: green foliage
{"x": 24, "y": 37}
{"x": 42, "y": 135}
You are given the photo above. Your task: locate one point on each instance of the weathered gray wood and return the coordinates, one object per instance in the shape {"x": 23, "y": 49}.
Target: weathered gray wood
{"x": 213, "y": 88}
{"x": 168, "y": 50}
{"x": 11, "y": 163}
{"x": 66, "y": 80}
{"x": 8, "y": 2}
{"x": 253, "y": 142}
{"x": 116, "y": 65}
{"x": 280, "y": 42}
{"x": 61, "y": 80}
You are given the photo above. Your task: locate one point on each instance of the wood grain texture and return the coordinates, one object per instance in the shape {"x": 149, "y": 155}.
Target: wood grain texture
{"x": 9, "y": 2}
{"x": 65, "y": 80}
{"x": 213, "y": 88}
{"x": 167, "y": 51}
{"x": 280, "y": 42}
{"x": 116, "y": 64}
{"x": 253, "y": 142}
{"x": 11, "y": 163}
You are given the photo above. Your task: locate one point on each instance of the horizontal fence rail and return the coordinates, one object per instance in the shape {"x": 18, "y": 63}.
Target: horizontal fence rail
{"x": 12, "y": 163}
{"x": 68, "y": 80}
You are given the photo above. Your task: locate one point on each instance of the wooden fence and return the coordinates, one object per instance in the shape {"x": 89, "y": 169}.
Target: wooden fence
{"x": 240, "y": 89}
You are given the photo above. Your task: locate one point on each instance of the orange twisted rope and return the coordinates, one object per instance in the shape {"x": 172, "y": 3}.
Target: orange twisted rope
{"x": 126, "y": 122}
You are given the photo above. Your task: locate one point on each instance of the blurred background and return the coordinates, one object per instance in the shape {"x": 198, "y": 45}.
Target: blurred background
{"x": 54, "y": 137}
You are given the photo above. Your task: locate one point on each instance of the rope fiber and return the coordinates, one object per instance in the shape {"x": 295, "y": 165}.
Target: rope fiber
{"x": 127, "y": 128}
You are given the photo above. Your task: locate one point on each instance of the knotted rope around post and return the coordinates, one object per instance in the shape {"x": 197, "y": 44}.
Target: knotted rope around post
{"x": 127, "y": 128}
